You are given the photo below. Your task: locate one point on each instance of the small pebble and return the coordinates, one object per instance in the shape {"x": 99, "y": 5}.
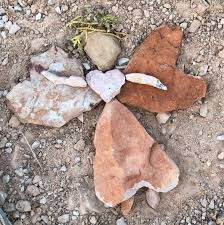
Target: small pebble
{"x": 5, "y": 179}
{"x": 2, "y": 11}
{"x": 121, "y": 221}
{"x": 194, "y": 26}
{"x": 23, "y": 206}
{"x": 63, "y": 168}
{"x": 43, "y": 200}
{"x": 162, "y": 118}
{"x": 221, "y": 156}
{"x": 86, "y": 66}
{"x": 14, "y": 29}
{"x": 204, "y": 110}
{"x": 38, "y": 16}
{"x": 58, "y": 10}
{"x": 203, "y": 70}
{"x": 220, "y": 137}
{"x": 93, "y": 220}
{"x": 63, "y": 218}
{"x": 35, "y": 144}
{"x": 3, "y": 197}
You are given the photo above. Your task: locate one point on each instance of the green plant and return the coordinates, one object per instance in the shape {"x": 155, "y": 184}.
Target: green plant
{"x": 93, "y": 20}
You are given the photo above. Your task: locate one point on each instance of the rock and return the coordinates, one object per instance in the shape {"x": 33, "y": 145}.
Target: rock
{"x": 37, "y": 44}
{"x": 5, "y": 18}
{"x": 127, "y": 205}
{"x": 23, "y": 206}
{"x": 6, "y": 179}
{"x": 141, "y": 78}
{"x": 35, "y": 145}
{"x": 220, "y": 219}
{"x": 86, "y": 66}
{"x": 4, "y": 219}
{"x": 137, "y": 13}
{"x": 122, "y": 61}
{"x": 157, "y": 56}
{"x": 63, "y": 168}
{"x": 204, "y": 110}
{"x": 152, "y": 198}
{"x": 9, "y": 207}
{"x": 8, "y": 25}
{"x": 221, "y": 54}
{"x": 14, "y": 122}
{"x": 38, "y": 16}
{"x": 14, "y": 28}
{"x": 106, "y": 85}
{"x": 183, "y": 25}
{"x": 58, "y": 10}
{"x": 88, "y": 200}
{"x": 3, "y": 197}
{"x": 203, "y": 70}
{"x": 221, "y": 156}
{"x": 43, "y": 201}
{"x": 2, "y": 11}
{"x": 72, "y": 81}
{"x": 64, "y": 218}
{"x": 80, "y": 145}
{"x": 194, "y": 26}
{"x": 220, "y": 138}
{"x": 162, "y": 118}
{"x": 93, "y": 220}
{"x": 127, "y": 158}
{"x": 41, "y": 102}
{"x": 121, "y": 221}
{"x": 36, "y": 179}
{"x": 33, "y": 190}
{"x": 102, "y": 49}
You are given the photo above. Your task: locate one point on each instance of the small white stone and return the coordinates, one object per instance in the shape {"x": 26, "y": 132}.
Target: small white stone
{"x": 194, "y": 26}
{"x": 43, "y": 200}
{"x": 38, "y": 16}
{"x": 221, "y": 156}
{"x": 8, "y": 25}
{"x": 63, "y": 218}
{"x": 63, "y": 168}
{"x": 75, "y": 213}
{"x": 221, "y": 54}
{"x": 204, "y": 110}
{"x": 58, "y": 9}
{"x": 19, "y": 172}
{"x": 36, "y": 179}
{"x": 6, "y": 179}
{"x": 23, "y": 206}
{"x": 162, "y": 118}
{"x": 183, "y": 25}
{"x": 93, "y": 220}
{"x": 64, "y": 8}
{"x": 121, "y": 221}
{"x": 152, "y": 198}
{"x": 3, "y": 34}
{"x": 8, "y": 150}
{"x": 86, "y": 66}
{"x": 5, "y": 18}
{"x": 222, "y": 21}
{"x": 220, "y": 137}
{"x": 203, "y": 70}
{"x": 14, "y": 29}
{"x": 35, "y": 144}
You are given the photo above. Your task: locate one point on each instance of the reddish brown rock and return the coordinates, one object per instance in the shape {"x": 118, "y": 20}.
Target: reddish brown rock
{"x": 157, "y": 56}
{"x": 127, "y": 205}
{"x": 127, "y": 158}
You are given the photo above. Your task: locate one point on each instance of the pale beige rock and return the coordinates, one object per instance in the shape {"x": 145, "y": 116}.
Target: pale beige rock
{"x": 102, "y": 49}
{"x": 152, "y": 198}
{"x": 127, "y": 158}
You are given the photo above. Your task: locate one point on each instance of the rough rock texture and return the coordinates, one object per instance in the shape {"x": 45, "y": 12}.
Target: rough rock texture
{"x": 106, "y": 85}
{"x": 41, "y": 102}
{"x": 102, "y": 49}
{"x": 56, "y": 60}
{"x": 127, "y": 158}
{"x": 157, "y": 56}
{"x": 152, "y": 198}
{"x": 127, "y": 205}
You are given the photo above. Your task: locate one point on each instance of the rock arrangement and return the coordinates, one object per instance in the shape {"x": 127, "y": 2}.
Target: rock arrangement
{"x": 127, "y": 157}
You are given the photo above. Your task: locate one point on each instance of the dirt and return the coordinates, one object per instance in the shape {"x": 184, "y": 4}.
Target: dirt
{"x": 189, "y": 139}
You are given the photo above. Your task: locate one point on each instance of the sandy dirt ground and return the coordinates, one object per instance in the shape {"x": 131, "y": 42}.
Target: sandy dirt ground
{"x": 189, "y": 139}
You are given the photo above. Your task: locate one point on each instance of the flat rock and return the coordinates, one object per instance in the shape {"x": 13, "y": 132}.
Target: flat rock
{"x": 152, "y": 198}
{"x": 106, "y": 85}
{"x": 23, "y": 206}
{"x": 127, "y": 158}
{"x": 40, "y": 101}
{"x": 157, "y": 56}
{"x": 103, "y": 50}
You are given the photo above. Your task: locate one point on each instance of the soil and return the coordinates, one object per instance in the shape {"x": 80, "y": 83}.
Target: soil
{"x": 189, "y": 139}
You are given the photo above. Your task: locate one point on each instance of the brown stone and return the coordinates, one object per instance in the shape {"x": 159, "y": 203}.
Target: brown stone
{"x": 127, "y": 158}
{"x": 157, "y": 56}
{"x": 127, "y": 205}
